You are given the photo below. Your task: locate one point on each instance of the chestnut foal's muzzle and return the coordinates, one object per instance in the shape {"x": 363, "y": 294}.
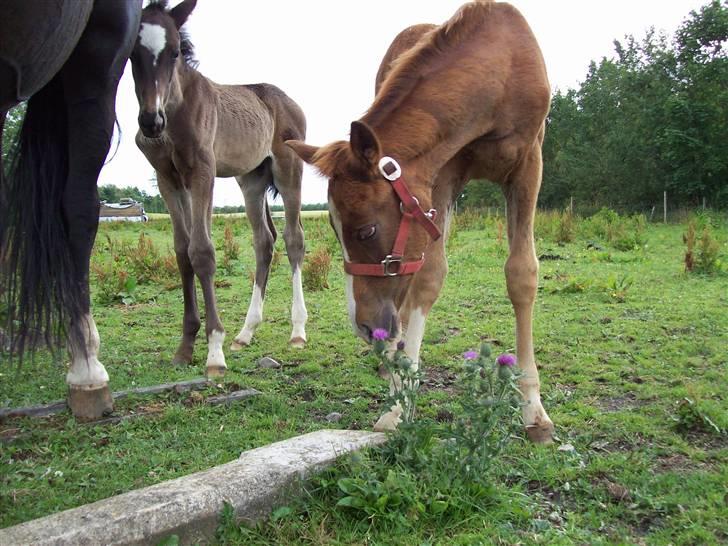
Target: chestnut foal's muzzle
{"x": 393, "y": 264}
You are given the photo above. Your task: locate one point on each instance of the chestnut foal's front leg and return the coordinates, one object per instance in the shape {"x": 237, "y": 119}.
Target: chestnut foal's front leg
{"x": 521, "y": 271}
{"x": 421, "y": 297}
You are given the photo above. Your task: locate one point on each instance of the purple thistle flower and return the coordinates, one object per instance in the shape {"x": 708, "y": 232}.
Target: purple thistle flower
{"x": 380, "y": 334}
{"x": 470, "y": 355}
{"x": 506, "y": 360}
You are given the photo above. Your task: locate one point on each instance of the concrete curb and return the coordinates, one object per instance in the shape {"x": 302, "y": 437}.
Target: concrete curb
{"x": 190, "y": 506}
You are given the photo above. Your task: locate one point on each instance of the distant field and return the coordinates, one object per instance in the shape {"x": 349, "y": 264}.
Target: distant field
{"x": 623, "y": 339}
{"x": 276, "y": 214}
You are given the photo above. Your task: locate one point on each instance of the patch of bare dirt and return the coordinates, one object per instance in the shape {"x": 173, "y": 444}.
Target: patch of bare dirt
{"x": 438, "y": 379}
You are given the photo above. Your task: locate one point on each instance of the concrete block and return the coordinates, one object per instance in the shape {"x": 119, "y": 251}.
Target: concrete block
{"x": 190, "y": 506}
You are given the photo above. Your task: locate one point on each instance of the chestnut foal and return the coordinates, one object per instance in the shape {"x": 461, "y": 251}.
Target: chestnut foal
{"x": 192, "y": 130}
{"x": 461, "y": 101}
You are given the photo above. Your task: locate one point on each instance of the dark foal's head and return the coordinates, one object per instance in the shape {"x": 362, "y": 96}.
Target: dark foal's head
{"x": 158, "y": 50}
{"x": 365, "y": 213}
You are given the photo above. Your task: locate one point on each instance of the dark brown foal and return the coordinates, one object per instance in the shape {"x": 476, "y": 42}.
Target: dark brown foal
{"x": 192, "y": 130}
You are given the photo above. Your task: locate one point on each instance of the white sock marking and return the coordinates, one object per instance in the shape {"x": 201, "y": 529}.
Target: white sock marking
{"x": 215, "y": 356}
{"x": 253, "y": 318}
{"x": 87, "y": 371}
{"x": 413, "y": 336}
{"x": 299, "y": 314}
{"x": 154, "y": 38}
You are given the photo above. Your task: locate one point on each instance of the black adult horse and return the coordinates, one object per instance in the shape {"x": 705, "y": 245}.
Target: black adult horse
{"x": 66, "y": 57}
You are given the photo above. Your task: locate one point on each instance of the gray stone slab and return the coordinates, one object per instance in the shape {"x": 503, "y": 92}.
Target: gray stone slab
{"x": 190, "y": 506}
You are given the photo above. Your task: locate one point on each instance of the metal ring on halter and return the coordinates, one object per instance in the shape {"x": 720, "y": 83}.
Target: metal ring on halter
{"x": 401, "y": 205}
{"x": 389, "y": 259}
{"x": 387, "y": 161}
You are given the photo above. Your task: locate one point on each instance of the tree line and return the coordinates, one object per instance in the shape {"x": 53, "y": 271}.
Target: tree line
{"x": 652, "y": 118}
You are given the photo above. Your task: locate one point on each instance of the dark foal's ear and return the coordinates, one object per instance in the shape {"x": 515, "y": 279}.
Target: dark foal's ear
{"x": 364, "y": 143}
{"x": 303, "y": 150}
{"x": 181, "y": 12}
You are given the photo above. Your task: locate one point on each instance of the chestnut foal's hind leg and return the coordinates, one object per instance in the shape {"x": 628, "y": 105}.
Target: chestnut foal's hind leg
{"x": 521, "y": 271}
{"x": 254, "y": 186}
{"x": 287, "y": 172}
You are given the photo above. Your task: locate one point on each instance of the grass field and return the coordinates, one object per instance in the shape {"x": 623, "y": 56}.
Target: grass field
{"x": 633, "y": 368}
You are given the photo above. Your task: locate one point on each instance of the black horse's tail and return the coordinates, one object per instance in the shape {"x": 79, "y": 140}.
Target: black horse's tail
{"x": 37, "y": 280}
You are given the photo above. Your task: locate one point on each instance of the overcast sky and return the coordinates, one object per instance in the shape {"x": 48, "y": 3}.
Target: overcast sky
{"x": 325, "y": 55}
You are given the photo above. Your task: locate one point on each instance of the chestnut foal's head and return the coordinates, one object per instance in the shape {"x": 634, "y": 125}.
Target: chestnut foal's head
{"x": 154, "y": 60}
{"x": 366, "y": 214}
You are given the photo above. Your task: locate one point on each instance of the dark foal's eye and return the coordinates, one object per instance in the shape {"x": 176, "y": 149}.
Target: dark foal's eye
{"x": 367, "y": 232}
{"x": 175, "y": 53}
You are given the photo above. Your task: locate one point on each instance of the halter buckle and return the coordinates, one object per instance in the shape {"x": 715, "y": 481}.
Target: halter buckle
{"x": 389, "y": 259}
{"x": 389, "y": 168}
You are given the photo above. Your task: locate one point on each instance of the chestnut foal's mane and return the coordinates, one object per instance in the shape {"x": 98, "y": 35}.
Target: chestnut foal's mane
{"x": 407, "y": 71}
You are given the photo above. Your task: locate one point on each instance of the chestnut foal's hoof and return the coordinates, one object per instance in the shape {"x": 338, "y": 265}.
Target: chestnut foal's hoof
{"x": 541, "y": 432}
{"x": 215, "y": 371}
{"x": 297, "y": 342}
{"x": 89, "y": 403}
{"x": 389, "y": 421}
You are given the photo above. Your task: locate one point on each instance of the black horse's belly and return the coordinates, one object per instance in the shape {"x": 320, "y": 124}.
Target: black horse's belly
{"x": 36, "y": 39}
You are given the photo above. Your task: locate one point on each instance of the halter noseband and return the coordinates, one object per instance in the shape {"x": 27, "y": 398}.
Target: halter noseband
{"x": 393, "y": 264}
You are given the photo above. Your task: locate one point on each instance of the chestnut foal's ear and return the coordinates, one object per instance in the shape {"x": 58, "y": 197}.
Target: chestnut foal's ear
{"x": 303, "y": 150}
{"x": 181, "y": 12}
{"x": 364, "y": 143}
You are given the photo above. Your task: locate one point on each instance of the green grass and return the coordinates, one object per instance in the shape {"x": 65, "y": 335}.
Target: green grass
{"x": 622, "y": 337}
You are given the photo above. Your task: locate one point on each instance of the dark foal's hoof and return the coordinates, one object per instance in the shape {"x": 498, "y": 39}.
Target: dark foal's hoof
{"x": 297, "y": 342}
{"x": 90, "y": 403}
{"x": 215, "y": 371}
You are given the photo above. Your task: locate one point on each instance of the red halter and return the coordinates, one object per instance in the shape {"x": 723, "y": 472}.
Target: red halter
{"x": 393, "y": 264}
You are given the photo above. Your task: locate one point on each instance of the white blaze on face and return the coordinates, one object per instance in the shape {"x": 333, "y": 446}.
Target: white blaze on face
{"x": 154, "y": 38}
{"x": 349, "y": 286}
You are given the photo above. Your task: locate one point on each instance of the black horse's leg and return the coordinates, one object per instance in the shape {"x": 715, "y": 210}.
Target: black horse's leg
{"x": 90, "y": 79}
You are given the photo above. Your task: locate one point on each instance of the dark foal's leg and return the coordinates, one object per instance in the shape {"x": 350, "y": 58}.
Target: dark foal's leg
{"x": 521, "y": 269}
{"x": 287, "y": 173}
{"x": 254, "y": 186}
{"x": 177, "y": 200}
{"x": 90, "y": 79}
{"x": 202, "y": 259}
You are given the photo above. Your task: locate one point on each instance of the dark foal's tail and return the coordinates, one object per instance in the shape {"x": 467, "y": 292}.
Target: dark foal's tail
{"x": 37, "y": 284}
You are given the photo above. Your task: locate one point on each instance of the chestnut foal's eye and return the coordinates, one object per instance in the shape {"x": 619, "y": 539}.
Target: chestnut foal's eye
{"x": 175, "y": 54}
{"x": 367, "y": 232}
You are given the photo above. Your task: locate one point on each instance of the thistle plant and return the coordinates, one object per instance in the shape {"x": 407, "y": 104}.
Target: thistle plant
{"x": 405, "y": 375}
{"x": 489, "y": 407}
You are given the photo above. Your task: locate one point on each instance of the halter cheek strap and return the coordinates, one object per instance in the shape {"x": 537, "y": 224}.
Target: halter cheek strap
{"x": 393, "y": 264}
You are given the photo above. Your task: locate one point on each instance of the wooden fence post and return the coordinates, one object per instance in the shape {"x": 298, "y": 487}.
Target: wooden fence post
{"x": 664, "y": 207}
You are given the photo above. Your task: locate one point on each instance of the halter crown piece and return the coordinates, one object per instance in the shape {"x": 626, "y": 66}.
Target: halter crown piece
{"x": 393, "y": 264}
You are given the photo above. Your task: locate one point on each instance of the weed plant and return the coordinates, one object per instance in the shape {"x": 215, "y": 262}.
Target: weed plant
{"x": 316, "y": 269}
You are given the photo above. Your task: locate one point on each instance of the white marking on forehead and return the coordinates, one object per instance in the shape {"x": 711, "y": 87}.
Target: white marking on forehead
{"x": 154, "y": 38}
